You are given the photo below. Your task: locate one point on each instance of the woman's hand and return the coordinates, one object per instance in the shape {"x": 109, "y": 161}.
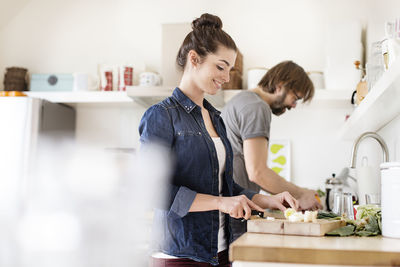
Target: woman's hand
{"x": 279, "y": 201}
{"x": 237, "y": 206}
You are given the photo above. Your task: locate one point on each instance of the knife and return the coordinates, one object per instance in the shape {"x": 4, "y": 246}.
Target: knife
{"x": 256, "y": 213}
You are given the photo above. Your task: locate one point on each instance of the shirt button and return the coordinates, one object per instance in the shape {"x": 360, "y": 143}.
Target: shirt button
{"x": 199, "y": 133}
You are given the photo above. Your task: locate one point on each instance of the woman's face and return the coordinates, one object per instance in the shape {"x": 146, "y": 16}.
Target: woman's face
{"x": 213, "y": 70}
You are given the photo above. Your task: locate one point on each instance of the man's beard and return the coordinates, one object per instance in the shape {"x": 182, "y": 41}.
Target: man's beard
{"x": 278, "y": 107}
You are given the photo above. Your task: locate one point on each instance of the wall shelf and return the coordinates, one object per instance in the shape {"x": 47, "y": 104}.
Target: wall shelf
{"x": 82, "y": 97}
{"x": 378, "y": 108}
{"x": 147, "y": 96}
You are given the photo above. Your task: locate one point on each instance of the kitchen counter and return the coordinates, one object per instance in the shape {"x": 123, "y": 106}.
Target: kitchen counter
{"x": 353, "y": 250}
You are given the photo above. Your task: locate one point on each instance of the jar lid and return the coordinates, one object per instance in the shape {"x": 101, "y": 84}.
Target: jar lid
{"x": 388, "y": 165}
{"x": 333, "y": 180}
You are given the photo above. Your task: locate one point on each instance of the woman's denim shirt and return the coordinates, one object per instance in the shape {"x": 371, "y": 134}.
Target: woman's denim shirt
{"x": 177, "y": 123}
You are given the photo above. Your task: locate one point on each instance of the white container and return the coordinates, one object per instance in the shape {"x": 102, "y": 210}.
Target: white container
{"x": 390, "y": 194}
{"x": 254, "y": 76}
{"x": 368, "y": 182}
{"x": 317, "y": 78}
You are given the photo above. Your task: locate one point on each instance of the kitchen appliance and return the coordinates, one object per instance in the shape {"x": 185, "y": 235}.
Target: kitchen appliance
{"x": 333, "y": 186}
{"x": 390, "y": 199}
{"x": 27, "y": 124}
{"x": 52, "y": 82}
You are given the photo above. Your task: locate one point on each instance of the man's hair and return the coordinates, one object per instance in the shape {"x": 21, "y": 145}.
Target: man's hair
{"x": 293, "y": 78}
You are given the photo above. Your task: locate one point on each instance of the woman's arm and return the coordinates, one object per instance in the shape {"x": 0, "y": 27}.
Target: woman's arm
{"x": 236, "y": 207}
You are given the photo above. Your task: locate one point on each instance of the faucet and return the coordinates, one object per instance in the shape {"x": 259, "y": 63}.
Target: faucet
{"x": 362, "y": 137}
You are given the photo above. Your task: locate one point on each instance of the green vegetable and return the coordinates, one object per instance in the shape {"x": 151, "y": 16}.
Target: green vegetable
{"x": 366, "y": 233}
{"x": 328, "y": 215}
{"x": 365, "y": 211}
{"x": 320, "y": 193}
{"x": 368, "y": 222}
{"x": 343, "y": 231}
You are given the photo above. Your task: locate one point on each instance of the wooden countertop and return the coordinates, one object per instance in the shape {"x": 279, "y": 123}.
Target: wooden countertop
{"x": 351, "y": 250}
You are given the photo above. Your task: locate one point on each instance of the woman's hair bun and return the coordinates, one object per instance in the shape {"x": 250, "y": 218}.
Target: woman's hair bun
{"x": 207, "y": 20}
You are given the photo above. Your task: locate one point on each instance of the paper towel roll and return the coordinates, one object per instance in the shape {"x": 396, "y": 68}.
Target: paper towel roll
{"x": 368, "y": 182}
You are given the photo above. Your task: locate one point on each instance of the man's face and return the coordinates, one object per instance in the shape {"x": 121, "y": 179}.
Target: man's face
{"x": 285, "y": 99}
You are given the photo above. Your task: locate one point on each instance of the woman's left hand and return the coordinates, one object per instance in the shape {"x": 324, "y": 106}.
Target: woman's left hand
{"x": 279, "y": 201}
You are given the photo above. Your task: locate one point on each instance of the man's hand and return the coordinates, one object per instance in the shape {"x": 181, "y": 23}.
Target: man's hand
{"x": 308, "y": 201}
{"x": 279, "y": 201}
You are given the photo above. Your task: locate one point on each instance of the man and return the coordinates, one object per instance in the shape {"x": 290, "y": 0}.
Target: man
{"x": 248, "y": 117}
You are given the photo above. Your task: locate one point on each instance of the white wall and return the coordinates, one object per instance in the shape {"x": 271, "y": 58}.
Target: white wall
{"x": 68, "y": 36}
{"x": 317, "y": 151}
{"x": 75, "y": 36}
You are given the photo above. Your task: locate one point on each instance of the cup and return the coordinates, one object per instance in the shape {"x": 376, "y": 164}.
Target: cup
{"x": 374, "y": 199}
{"x": 150, "y": 79}
{"x": 348, "y": 209}
{"x": 343, "y": 205}
{"x": 81, "y": 81}
{"x": 338, "y": 203}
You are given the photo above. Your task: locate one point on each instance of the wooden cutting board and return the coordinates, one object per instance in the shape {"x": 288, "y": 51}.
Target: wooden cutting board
{"x": 284, "y": 227}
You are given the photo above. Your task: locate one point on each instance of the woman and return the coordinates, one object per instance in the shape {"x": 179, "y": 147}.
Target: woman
{"x": 194, "y": 224}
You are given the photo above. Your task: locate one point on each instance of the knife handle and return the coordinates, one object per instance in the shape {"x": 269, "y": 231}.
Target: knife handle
{"x": 254, "y": 212}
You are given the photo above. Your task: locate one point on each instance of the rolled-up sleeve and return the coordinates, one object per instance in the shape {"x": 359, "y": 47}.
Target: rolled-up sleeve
{"x": 156, "y": 127}
{"x": 182, "y": 201}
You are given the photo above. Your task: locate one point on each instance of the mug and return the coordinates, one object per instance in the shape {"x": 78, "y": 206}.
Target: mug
{"x": 81, "y": 81}
{"x": 150, "y": 79}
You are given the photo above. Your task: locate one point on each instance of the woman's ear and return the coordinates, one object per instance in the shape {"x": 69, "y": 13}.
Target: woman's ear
{"x": 193, "y": 58}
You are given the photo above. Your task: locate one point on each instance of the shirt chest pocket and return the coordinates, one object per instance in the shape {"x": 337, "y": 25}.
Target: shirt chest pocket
{"x": 190, "y": 144}
{"x": 188, "y": 133}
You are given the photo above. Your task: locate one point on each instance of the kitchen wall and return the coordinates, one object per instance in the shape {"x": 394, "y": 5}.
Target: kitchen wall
{"x": 66, "y": 36}
{"x": 75, "y": 36}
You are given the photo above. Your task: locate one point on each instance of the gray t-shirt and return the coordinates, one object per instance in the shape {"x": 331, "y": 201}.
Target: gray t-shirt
{"x": 246, "y": 116}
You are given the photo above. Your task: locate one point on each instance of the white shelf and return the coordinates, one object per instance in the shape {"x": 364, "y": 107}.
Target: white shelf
{"x": 378, "y": 108}
{"x": 148, "y": 96}
{"x": 82, "y": 97}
